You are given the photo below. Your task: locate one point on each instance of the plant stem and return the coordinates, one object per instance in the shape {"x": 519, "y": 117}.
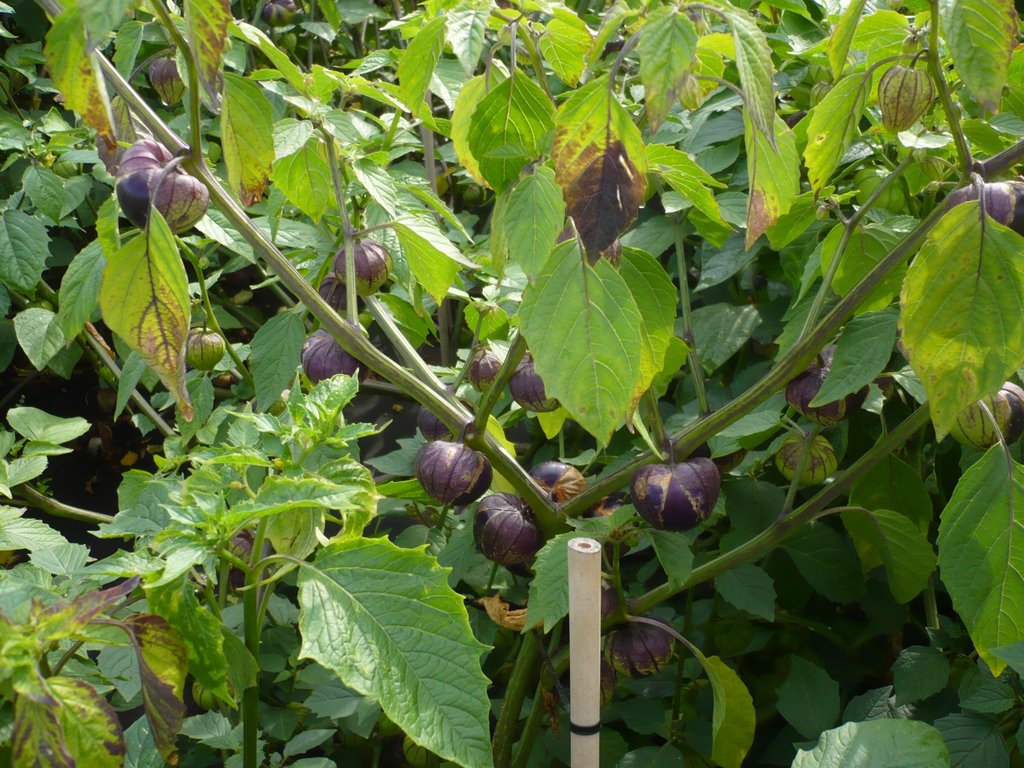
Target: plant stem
{"x": 1004, "y": 161}
{"x": 395, "y": 336}
{"x": 351, "y": 308}
{"x": 33, "y": 498}
{"x": 195, "y": 126}
{"x": 523, "y": 676}
{"x": 483, "y": 410}
{"x": 696, "y": 373}
{"x": 963, "y": 152}
{"x": 794, "y": 484}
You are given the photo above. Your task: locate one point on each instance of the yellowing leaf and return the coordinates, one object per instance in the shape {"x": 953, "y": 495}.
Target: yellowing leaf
{"x": 774, "y": 177}
{"x": 70, "y": 63}
{"x": 144, "y": 300}
{"x": 980, "y": 35}
{"x": 599, "y": 163}
{"x": 246, "y": 138}
{"x": 208, "y": 33}
{"x": 667, "y": 46}
{"x": 833, "y": 126}
{"x": 962, "y": 314}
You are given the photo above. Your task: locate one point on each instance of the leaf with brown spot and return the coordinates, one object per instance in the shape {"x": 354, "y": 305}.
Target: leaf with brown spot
{"x": 144, "y": 300}
{"x": 247, "y": 138}
{"x": 599, "y": 163}
{"x": 208, "y": 33}
{"x": 774, "y": 177}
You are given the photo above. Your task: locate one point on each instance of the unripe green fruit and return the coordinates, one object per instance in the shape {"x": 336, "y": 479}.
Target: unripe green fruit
{"x": 203, "y": 698}
{"x": 204, "y": 350}
{"x": 973, "y": 427}
{"x": 821, "y": 459}
{"x": 891, "y": 199}
{"x": 904, "y": 95}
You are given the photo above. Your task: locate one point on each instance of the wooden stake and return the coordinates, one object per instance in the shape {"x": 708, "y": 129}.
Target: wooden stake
{"x": 585, "y": 652}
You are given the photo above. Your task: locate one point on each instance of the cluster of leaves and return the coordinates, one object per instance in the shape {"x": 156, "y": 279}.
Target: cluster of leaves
{"x": 674, "y": 209}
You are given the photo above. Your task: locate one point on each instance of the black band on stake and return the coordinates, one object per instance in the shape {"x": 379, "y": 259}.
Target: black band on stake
{"x": 585, "y": 730}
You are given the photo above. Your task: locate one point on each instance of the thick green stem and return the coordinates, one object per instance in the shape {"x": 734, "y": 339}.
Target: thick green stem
{"x": 483, "y": 412}
{"x": 1004, "y": 161}
{"x": 33, "y": 498}
{"x": 524, "y": 675}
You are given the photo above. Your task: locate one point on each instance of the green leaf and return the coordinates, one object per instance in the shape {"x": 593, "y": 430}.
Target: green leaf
{"x": 974, "y": 741}
{"x": 305, "y": 179}
{"x": 749, "y": 588}
{"x": 39, "y": 334}
{"x": 433, "y": 259}
{"x": 892, "y": 484}
{"x": 675, "y": 554}
{"x": 466, "y": 26}
{"x": 867, "y": 246}
{"x": 23, "y": 250}
{"x": 528, "y": 221}
{"x": 19, "y": 532}
{"x": 980, "y": 35}
{"x": 882, "y": 743}
{"x": 979, "y": 691}
{"x": 163, "y": 663}
{"x": 80, "y": 289}
{"x": 827, "y": 561}
{"x": 918, "y": 673}
{"x": 199, "y": 629}
{"x": 565, "y": 45}
{"x": 39, "y": 425}
{"x": 832, "y": 127}
{"x": 681, "y": 172}
{"x": 276, "y": 348}
{"x": 46, "y": 191}
{"x": 894, "y": 540}
{"x": 962, "y": 316}
{"x": 733, "y": 720}
{"x": 277, "y": 494}
{"x": 378, "y": 183}
{"x": 385, "y": 620}
{"x": 754, "y": 63}
{"x": 258, "y": 38}
{"x": 247, "y": 138}
{"x": 144, "y": 300}
{"x": 69, "y": 59}
{"x": 774, "y": 173}
{"x": 667, "y": 47}
{"x": 469, "y": 99}
{"x": 509, "y": 128}
{"x": 600, "y": 164}
{"x": 842, "y": 36}
{"x": 656, "y": 297}
{"x": 207, "y": 22}
{"x": 417, "y": 64}
{"x": 585, "y": 333}
{"x": 981, "y": 552}
{"x": 720, "y": 330}
{"x": 863, "y": 352}
{"x": 809, "y": 698}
